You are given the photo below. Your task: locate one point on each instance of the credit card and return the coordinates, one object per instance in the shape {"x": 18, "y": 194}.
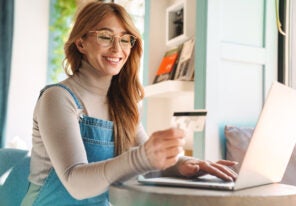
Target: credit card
{"x": 190, "y": 121}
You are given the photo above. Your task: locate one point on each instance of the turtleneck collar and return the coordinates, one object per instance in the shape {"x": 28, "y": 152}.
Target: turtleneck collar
{"x": 90, "y": 79}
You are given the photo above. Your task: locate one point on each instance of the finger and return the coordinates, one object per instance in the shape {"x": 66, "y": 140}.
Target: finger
{"x": 209, "y": 168}
{"x": 173, "y": 152}
{"x": 163, "y": 146}
{"x": 169, "y": 162}
{"x": 171, "y": 133}
{"x": 227, "y": 163}
{"x": 228, "y": 171}
{"x": 173, "y": 143}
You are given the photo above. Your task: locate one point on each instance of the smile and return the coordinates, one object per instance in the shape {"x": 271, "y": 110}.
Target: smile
{"x": 113, "y": 59}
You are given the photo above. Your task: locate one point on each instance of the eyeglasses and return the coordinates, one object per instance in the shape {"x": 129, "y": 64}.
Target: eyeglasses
{"x": 106, "y": 38}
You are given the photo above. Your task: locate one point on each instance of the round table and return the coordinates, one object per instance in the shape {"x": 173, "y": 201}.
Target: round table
{"x": 132, "y": 193}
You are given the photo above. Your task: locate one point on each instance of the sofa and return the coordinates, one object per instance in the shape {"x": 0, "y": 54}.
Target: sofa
{"x": 14, "y": 171}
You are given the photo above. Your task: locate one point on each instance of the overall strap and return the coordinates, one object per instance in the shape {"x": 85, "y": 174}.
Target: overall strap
{"x": 77, "y": 102}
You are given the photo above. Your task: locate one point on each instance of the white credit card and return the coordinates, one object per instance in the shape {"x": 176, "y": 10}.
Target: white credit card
{"x": 190, "y": 121}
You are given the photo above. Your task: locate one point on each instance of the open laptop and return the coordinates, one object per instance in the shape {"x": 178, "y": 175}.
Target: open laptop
{"x": 268, "y": 153}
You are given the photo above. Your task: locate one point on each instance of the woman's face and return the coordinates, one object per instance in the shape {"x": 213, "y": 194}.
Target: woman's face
{"x": 106, "y": 59}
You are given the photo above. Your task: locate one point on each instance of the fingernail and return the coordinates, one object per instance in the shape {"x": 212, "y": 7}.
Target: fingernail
{"x": 230, "y": 179}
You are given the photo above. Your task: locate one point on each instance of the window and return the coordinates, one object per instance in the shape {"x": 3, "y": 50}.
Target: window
{"x": 61, "y": 16}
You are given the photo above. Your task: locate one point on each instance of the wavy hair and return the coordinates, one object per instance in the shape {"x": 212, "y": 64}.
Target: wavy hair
{"x": 125, "y": 90}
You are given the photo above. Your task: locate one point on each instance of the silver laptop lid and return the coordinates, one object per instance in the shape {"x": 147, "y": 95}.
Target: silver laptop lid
{"x": 273, "y": 140}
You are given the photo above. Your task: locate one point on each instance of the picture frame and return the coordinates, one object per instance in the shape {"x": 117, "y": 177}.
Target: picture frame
{"x": 178, "y": 17}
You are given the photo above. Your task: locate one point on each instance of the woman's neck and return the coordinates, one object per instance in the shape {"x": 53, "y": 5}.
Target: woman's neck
{"x": 90, "y": 79}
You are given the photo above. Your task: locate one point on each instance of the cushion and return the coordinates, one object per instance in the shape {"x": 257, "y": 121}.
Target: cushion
{"x": 237, "y": 142}
{"x": 14, "y": 171}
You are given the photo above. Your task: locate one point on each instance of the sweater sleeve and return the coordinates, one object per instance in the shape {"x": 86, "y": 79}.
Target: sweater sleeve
{"x": 57, "y": 118}
{"x": 141, "y": 135}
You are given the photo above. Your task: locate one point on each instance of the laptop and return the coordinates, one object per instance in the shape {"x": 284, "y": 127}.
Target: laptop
{"x": 267, "y": 155}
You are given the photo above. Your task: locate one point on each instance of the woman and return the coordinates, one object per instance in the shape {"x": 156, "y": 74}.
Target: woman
{"x": 87, "y": 127}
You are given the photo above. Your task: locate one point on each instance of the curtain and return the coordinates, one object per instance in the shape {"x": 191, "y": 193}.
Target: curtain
{"x": 6, "y": 34}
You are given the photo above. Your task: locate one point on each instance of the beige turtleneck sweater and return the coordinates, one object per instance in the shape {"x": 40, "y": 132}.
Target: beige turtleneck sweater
{"x": 57, "y": 141}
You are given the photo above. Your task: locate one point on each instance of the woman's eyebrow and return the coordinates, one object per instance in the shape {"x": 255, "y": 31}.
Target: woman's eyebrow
{"x": 108, "y": 29}
{"x": 104, "y": 28}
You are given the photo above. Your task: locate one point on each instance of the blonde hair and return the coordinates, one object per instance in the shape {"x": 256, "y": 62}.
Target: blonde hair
{"x": 125, "y": 90}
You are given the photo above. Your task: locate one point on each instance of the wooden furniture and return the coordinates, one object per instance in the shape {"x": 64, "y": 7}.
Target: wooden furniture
{"x": 132, "y": 193}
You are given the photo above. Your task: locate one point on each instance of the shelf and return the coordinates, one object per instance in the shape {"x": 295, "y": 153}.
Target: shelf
{"x": 169, "y": 89}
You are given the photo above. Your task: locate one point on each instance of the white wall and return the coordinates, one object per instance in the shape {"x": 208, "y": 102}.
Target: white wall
{"x": 241, "y": 66}
{"x": 29, "y": 66}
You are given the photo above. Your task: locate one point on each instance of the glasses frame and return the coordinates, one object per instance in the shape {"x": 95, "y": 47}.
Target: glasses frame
{"x": 132, "y": 43}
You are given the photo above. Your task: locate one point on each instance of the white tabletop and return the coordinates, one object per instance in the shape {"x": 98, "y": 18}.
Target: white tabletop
{"x": 132, "y": 193}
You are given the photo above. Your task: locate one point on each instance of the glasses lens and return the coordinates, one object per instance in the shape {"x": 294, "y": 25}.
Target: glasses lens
{"x": 104, "y": 38}
{"x": 127, "y": 41}
{"x": 132, "y": 40}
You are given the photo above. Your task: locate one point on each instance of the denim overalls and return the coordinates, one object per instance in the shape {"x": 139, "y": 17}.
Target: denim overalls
{"x": 98, "y": 141}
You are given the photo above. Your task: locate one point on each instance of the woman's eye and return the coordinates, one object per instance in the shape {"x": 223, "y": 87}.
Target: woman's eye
{"x": 125, "y": 41}
{"x": 104, "y": 37}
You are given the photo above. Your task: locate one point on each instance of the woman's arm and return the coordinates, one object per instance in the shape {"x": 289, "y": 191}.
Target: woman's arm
{"x": 57, "y": 117}
{"x": 190, "y": 166}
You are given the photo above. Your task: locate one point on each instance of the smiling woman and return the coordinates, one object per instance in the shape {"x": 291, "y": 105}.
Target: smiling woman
{"x": 94, "y": 114}
{"x": 87, "y": 132}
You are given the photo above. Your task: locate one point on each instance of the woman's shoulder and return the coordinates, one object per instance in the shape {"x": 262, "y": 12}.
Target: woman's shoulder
{"x": 58, "y": 90}
{"x": 58, "y": 94}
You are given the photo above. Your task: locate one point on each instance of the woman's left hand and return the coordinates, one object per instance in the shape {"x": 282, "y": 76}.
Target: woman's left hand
{"x": 221, "y": 169}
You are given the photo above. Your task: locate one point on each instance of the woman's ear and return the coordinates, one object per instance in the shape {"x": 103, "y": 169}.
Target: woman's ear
{"x": 80, "y": 45}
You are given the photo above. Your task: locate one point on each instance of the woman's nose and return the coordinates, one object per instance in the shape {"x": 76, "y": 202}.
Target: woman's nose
{"x": 116, "y": 44}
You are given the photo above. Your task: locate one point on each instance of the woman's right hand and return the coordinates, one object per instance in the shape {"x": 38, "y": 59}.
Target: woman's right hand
{"x": 163, "y": 147}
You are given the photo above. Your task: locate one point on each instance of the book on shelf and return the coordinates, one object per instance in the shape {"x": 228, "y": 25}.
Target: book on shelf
{"x": 168, "y": 65}
{"x": 185, "y": 66}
